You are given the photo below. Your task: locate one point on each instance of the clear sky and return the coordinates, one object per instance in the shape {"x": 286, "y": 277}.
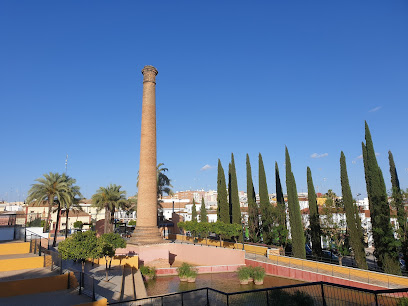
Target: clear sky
{"x": 234, "y": 76}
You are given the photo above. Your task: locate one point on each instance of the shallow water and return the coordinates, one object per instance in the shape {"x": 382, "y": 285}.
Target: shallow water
{"x": 226, "y": 282}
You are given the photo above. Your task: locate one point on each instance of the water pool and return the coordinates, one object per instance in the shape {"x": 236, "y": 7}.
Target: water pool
{"x": 226, "y": 282}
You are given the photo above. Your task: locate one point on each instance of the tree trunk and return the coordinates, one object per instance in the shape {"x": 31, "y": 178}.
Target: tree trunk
{"x": 106, "y": 223}
{"x": 66, "y": 223}
{"x": 50, "y": 203}
{"x": 112, "y": 220}
{"x": 57, "y": 225}
{"x": 340, "y": 260}
{"x": 106, "y": 268}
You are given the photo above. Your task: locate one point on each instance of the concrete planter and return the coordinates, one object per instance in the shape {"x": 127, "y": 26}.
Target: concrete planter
{"x": 258, "y": 282}
{"x": 183, "y": 278}
{"x": 191, "y": 279}
{"x": 244, "y": 281}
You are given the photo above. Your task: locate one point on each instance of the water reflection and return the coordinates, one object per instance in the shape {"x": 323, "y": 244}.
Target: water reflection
{"x": 227, "y": 282}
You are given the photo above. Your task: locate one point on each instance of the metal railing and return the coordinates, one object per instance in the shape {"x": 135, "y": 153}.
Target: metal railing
{"x": 84, "y": 283}
{"x": 318, "y": 293}
{"x": 37, "y": 243}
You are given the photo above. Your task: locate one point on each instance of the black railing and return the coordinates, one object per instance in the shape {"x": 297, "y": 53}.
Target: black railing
{"x": 37, "y": 243}
{"x": 318, "y": 293}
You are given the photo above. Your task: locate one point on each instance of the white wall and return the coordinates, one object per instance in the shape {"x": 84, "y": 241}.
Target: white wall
{"x": 36, "y": 230}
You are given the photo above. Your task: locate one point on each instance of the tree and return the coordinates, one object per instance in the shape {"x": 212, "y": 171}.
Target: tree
{"x": 267, "y": 217}
{"x": 253, "y": 210}
{"x": 282, "y": 230}
{"x": 386, "y": 246}
{"x": 203, "y": 211}
{"x": 314, "y": 216}
{"x": 109, "y": 198}
{"x": 78, "y": 224}
{"x": 226, "y": 230}
{"x": 80, "y": 246}
{"x": 107, "y": 245}
{"x": 333, "y": 226}
{"x": 71, "y": 201}
{"x": 351, "y": 216}
{"x": 163, "y": 182}
{"x": 194, "y": 212}
{"x": 295, "y": 219}
{"x": 50, "y": 187}
{"x": 222, "y": 209}
{"x": 235, "y": 209}
{"x": 398, "y": 205}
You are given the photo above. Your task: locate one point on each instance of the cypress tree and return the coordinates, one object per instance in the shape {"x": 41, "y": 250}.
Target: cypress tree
{"x": 222, "y": 202}
{"x": 351, "y": 217}
{"x": 233, "y": 194}
{"x": 265, "y": 205}
{"x": 194, "y": 212}
{"x": 295, "y": 218}
{"x": 280, "y": 200}
{"x": 386, "y": 247}
{"x": 314, "y": 216}
{"x": 397, "y": 201}
{"x": 280, "y": 209}
{"x": 253, "y": 211}
{"x": 203, "y": 211}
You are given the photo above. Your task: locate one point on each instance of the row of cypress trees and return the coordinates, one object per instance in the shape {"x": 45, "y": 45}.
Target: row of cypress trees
{"x": 269, "y": 222}
{"x": 203, "y": 212}
{"x": 228, "y": 210}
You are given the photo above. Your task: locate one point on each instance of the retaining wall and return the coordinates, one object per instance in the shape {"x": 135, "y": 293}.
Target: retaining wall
{"x": 200, "y": 269}
{"x": 36, "y": 285}
{"x": 14, "y": 248}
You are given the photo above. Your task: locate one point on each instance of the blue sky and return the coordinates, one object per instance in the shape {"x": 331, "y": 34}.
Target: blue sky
{"x": 234, "y": 76}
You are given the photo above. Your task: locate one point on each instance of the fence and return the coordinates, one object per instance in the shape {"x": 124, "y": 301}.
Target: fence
{"x": 84, "y": 283}
{"x": 37, "y": 243}
{"x": 318, "y": 293}
{"x": 352, "y": 274}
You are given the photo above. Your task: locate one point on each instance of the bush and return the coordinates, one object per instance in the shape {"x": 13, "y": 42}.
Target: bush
{"x": 132, "y": 223}
{"x": 258, "y": 273}
{"x": 184, "y": 269}
{"x": 192, "y": 273}
{"x": 78, "y": 224}
{"x": 244, "y": 272}
{"x": 148, "y": 271}
{"x": 37, "y": 222}
{"x": 403, "y": 302}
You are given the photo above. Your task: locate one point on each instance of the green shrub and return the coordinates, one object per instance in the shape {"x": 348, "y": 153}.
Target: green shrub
{"x": 132, "y": 223}
{"x": 258, "y": 273}
{"x": 78, "y": 224}
{"x": 184, "y": 269}
{"x": 244, "y": 272}
{"x": 402, "y": 302}
{"x": 148, "y": 271}
{"x": 192, "y": 273}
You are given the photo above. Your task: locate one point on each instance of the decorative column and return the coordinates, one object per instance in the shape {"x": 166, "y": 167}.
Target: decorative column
{"x": 146, "y": 231}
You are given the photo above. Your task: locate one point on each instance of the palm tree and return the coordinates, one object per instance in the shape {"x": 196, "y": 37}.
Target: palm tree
{"x": 51, "y": 187}
{"x": 72, "y": 200}
{"x": 163, "y": 182}
{"x": 109, "y": 198}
